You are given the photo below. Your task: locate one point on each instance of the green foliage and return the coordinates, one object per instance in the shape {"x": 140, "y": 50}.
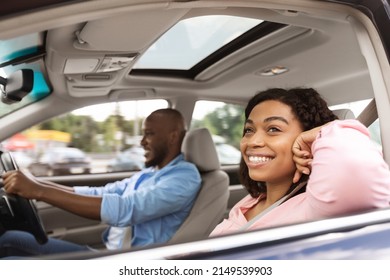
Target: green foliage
{"x": 226, "y": 121}
{"x": 90, "y": 135}
{"x": 83, "y": 130}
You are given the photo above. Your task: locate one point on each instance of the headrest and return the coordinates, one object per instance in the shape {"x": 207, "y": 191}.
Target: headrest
{"x": 198, "y": 147}
{"x": 344, "y": 114}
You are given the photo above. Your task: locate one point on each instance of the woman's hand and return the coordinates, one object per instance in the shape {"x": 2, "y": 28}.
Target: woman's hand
{"x": 17, "y": 182}
{"x": 302, "y": 154}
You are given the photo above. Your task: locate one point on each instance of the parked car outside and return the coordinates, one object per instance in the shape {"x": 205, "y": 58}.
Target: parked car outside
{"x": 227, "y": 154}
{"x": 131, "y": 159}
{"x": 22, "y": 159}
{"x": 61, "y": 161}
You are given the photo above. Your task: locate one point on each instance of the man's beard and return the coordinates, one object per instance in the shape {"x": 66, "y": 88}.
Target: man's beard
{"x": 158, "y": 157}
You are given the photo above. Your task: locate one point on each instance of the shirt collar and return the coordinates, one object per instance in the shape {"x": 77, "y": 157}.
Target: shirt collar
{"x": 173, "y": 162}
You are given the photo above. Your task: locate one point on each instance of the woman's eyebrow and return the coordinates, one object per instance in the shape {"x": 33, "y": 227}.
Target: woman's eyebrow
{"x": 275, "y": 118}
{"x": 269, "y": 119}
{"x": 249, "y": 121}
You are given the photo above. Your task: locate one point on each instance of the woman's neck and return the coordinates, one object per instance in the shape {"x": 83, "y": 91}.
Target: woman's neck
{"x": 276, "y": 191}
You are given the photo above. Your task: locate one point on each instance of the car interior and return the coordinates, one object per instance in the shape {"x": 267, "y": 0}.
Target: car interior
{"x": 93, "y": 52}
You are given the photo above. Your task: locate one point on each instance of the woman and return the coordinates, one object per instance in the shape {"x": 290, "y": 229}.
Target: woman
{"x": 300, "y": 163}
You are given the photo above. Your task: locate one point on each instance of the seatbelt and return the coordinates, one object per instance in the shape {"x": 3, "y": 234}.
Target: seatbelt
{"x": 274, "y": 205}
{"x": 126, "y": 241}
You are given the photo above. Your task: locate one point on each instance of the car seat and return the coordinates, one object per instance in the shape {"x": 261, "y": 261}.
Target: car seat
{"x": 344, "y": 114}
{"x": 211, "y": 202}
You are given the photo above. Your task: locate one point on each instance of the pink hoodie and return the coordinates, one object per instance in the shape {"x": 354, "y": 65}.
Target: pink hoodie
{"x": 348, "y": 175}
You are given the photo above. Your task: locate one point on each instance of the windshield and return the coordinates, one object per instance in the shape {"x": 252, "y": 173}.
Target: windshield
{"x": 23, "y": 52}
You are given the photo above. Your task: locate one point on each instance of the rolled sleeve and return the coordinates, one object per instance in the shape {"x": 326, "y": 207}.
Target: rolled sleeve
{"x": 114, "y": 188}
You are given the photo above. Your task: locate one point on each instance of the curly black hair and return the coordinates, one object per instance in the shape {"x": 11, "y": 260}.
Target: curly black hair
{"x": 306, "y": 104}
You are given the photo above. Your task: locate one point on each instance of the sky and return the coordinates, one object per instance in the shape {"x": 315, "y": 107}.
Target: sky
{"x": 141, "y": 109}
{"x": 132, "y": 109}
{"x": 128, "y": 109}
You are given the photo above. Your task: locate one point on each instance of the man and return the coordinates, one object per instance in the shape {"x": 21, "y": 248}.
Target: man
{"x": 154, "y": 202}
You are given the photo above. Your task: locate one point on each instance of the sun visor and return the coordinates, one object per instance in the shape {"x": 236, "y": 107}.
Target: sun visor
{"x": 119, "y": 32}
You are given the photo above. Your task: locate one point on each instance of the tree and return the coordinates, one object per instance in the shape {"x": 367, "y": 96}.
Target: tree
{"x": 226, "y": 121}
{"x": 82, "y": 128}
{"x": 110, "y": 130}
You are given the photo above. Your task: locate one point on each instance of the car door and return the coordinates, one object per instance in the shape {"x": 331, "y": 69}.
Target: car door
{"x": 67, "y": 226}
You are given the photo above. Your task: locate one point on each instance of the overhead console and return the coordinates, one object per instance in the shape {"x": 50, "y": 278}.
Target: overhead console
{"x": 105, "y": 63}
{"x": 93, "y": 55}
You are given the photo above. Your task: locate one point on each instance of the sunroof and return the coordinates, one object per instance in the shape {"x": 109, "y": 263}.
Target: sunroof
{"x": 192, "y": 40}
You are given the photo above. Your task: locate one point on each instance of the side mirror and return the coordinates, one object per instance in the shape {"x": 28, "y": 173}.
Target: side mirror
{"x": 17, "y": 86}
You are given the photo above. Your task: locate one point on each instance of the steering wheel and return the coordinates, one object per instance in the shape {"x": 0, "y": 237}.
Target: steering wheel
{"x": 16, "y": 212}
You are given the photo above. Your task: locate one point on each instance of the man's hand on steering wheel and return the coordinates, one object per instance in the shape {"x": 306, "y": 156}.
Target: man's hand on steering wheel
{"x": 19, "y": 188}
{"x": 17, "y": 182}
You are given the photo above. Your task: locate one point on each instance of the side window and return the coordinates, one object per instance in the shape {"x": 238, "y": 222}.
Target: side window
{"x": 225, "y": 122}
{"x": 375, "y": 132}
{"x": 95, "y": 139}
{"x": 357, "y": 108}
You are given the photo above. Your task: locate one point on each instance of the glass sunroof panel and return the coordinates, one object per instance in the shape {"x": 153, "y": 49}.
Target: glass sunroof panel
{"x": 193, "y": 39}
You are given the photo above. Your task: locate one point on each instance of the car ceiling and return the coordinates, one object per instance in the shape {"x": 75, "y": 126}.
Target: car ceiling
{"x": 307, "y": 50}
{"x": 319, "y": 47}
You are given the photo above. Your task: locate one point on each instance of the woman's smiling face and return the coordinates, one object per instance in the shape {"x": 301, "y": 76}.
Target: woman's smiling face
{"x": 269, "y": 134}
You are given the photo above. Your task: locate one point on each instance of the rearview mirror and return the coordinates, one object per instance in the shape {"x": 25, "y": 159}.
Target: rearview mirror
{"x": 17, "y": 86}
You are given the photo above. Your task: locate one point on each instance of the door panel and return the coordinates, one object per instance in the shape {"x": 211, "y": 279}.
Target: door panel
{"x": 67, "y": 226}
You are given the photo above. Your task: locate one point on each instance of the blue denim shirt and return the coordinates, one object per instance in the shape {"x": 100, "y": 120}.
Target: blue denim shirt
{"x": 155, "y": 207}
